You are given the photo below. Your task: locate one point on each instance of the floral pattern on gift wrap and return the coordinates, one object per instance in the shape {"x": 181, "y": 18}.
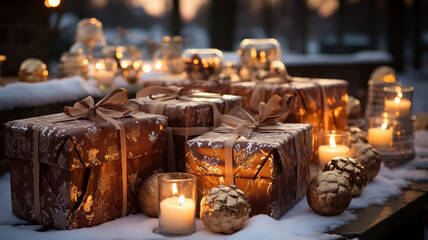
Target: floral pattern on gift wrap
{"x": 133, "y": 133}
{"x": 112, "y": 153}
{"x": 244, "y": 159}
{"x": 103, "y": 183}
{"x": 93, "y": 134}
{"x": 153, "y": 136}
{"x": 92, "y": 156}
{"x": 75, "y": 193}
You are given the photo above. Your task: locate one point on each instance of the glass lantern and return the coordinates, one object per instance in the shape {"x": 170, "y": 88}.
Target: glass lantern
{"x": 331, "y": 144}
{"x": 167, "y": 58}
{"x": 201, "y": 64}
{"x": 103, "y": 72}
{"x": 258, "y": 54}
{"x": 398, "y": 101}
{"x": 177, "y": 204}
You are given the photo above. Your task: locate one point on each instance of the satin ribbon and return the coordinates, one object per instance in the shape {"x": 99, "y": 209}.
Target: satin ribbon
{"x": 113, "y": 106}
{"x": 161, "y": 95}
{"x": 280, "y": 76}
{"x": 240, "y": 122}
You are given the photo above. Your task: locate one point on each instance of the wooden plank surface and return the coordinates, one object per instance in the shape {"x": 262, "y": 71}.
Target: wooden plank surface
{"x": 380, "y": 221}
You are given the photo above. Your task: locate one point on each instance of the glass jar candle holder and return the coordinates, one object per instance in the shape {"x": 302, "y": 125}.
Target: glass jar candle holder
{"x": 201, "y": 64}
{"x": 131, "y": 69}
{"x": 376, "y": 97}
{"x": 398, "y": 101}
{"x": 104, "y": 70}
{"x": 258, "y": 54}
{"x": 167, "y": 59}
{"x": 331, "y": 144}
{"x": 393, "y": 138}
{"x": 177, "y": 204}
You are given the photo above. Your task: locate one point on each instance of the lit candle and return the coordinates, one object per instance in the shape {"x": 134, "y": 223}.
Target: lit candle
{"x": 177, "y": 214}
{"x": 328, "y": 152}
{"x": 101, "y": 75}
{"x": 399, "y": 107}
{"x": 381, "y": 138}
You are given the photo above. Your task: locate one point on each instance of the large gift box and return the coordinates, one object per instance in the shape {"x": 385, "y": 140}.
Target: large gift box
{"x": 271, "y": 165}
{"x": 80, "y": 175}
{"x": 189, "y": 113}
{"x": 179, "y": 80}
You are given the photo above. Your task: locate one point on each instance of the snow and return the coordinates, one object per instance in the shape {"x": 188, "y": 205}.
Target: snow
{"x": 298, "y": 223}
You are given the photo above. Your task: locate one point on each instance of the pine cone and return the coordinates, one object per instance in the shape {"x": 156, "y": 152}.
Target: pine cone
{"x": 352, "y": 170}
{"x": 358, "y": 135}
{"x": 148, "y": 195}
{"x": 329, "y": 194}
{"x": 224, "y": 209}
{"x": 368, "y": 157}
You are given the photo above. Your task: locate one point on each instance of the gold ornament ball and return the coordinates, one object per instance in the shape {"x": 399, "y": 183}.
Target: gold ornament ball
{"x": 329, "y": 194}
{"x": 224, "y": 209}
{"x": 148, "y": 196}
{"x": 33, "y": 70}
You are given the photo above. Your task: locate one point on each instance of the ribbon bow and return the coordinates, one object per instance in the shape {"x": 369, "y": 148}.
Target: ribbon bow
{"x": 241, "y": 123}
{"x": 113, "y": 106}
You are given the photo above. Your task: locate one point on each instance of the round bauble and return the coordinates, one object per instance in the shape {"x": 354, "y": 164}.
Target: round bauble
{"x": 329, "y": 194}
{"x": 224, "y": 209}
{"x": 358, "y": 135}
{"x": 33, "y": 70}
{"x": 148, "y": 196}
{"x": 352, "y": 170}
{"x": 368, "y": 157}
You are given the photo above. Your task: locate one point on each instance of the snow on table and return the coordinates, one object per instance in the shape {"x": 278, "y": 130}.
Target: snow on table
{"x": 298, "y": 223}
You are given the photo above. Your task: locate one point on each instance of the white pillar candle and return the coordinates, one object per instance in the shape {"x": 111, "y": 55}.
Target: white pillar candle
{"x": 398, "y": 107}
{"x": 380, "y": 138}
{"x": 177, "y": 214}
{"x": 328, "y": 152}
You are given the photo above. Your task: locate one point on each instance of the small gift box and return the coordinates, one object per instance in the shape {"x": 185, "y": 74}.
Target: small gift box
{"x": 83, "y": 168}
{"x": 190, "y": 113}
{"x": 266, "y": 159}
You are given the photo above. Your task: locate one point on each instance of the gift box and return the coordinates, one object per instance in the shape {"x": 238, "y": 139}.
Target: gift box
{"x": 78, "y": 171}
{"x": 271, "y": 166}
{"x": 196, "y": 110}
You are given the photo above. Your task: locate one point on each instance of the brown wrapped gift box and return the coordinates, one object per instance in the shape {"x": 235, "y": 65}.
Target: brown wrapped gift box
{"x": 267, "y": 167}
{"x": 195, "y": 113}
{"x": 309, "y": 104}
{"x": 80, "y": 167}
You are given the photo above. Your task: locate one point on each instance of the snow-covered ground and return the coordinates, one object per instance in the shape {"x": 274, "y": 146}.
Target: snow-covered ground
{"x": 298, "y": 223}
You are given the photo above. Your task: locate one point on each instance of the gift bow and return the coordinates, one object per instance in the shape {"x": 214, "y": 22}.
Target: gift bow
{"x": 242, "y": 123}
{"x": 113, "y": 106}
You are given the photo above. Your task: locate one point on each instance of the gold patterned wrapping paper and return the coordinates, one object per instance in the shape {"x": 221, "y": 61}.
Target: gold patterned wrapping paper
{"x": 271, "y": 168}
{"x": 80, "y": 167}
{"x": 195, "y": 113}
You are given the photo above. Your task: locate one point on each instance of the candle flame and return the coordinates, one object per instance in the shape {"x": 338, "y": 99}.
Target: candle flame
{"x": 158, "y": 65}
{"x": 99, "y": 66}
{"x": 332, "y": 142}
{"x": 147, "y": 68}
{"x": 180, "y": 200}
{"x": 136, "y": 65}
{"x": 174, "y": 189}
{"x": 384, "y": 125}
{"x": 389, "y": 78}
{"x": 397, "y": 100}
{"x": 124, "y": 64}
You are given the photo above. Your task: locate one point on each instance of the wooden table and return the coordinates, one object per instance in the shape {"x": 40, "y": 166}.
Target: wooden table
{"x": 401, "y": 217}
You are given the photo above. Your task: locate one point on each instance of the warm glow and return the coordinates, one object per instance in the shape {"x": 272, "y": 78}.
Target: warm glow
{"x": 195, "y": 61}
{"x": 119, "y": 55}
{"x": 400, "y": 94}
{"x": 397, "y": 100}
{"x": 136, "y": 65}
{"x": 180, "y": 200}
{"x": 52, "y": 3}
{"x": 332, "y": 142}
{"x": 174, "y": 189}
{"x": 124, "y": 64}
{"x": 190, "y": 8}
{"x": 158, "y": 65}
{"x": 384, "y": 125}
{"x": 147, "y": 68}
{"x": 253, "y": 53}
{"x": 389, "y": 78}
{"x": 85, "y": 61}
{"x": 99, "y": 66}
{"x": 385, "y": 114}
